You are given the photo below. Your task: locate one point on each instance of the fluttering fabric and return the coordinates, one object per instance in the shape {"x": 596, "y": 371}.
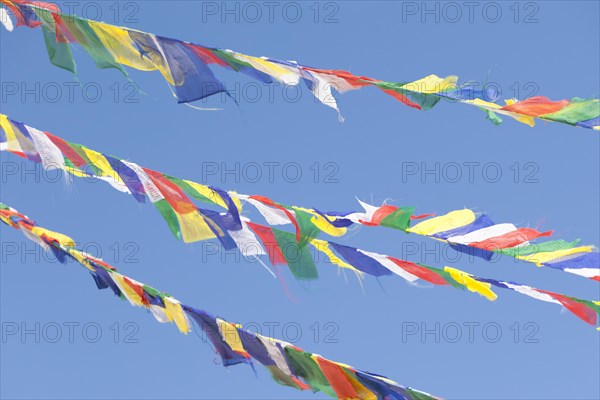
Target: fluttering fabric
{"x": 463, "y": 230}
{"x": 187, "y": 68}
{"x": 170, "y": 196}
{"x": 289, "y": 365}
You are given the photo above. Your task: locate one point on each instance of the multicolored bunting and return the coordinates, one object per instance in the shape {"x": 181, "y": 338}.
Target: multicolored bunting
{"x": 478, "y": 235}
{"x": 187, "y": 68}
{"x": 289, "y": 365}
{"x": 283, "y": 248}
{"x": 463, "y": 230}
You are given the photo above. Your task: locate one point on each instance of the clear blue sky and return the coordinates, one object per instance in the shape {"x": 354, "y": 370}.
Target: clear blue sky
{"x": 557, "y": 188}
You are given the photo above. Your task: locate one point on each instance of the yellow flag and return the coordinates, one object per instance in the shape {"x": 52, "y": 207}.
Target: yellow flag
{"x": 102, "y": 163}
{"x": 127, "y": 290}
{"x": 452, "y": 220}
{"x": 63, "y": 240}
{"x": 175, "y": 312}
{"x": 541, "y": 258}
{"x": 230, "y": 335}
{"x": 194, "y": 227}
{"x": 473, "y": 285}
{"x": 12, "y": 144}
{"x": 118, "y": 42}
{"x": 432, "y": 84}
